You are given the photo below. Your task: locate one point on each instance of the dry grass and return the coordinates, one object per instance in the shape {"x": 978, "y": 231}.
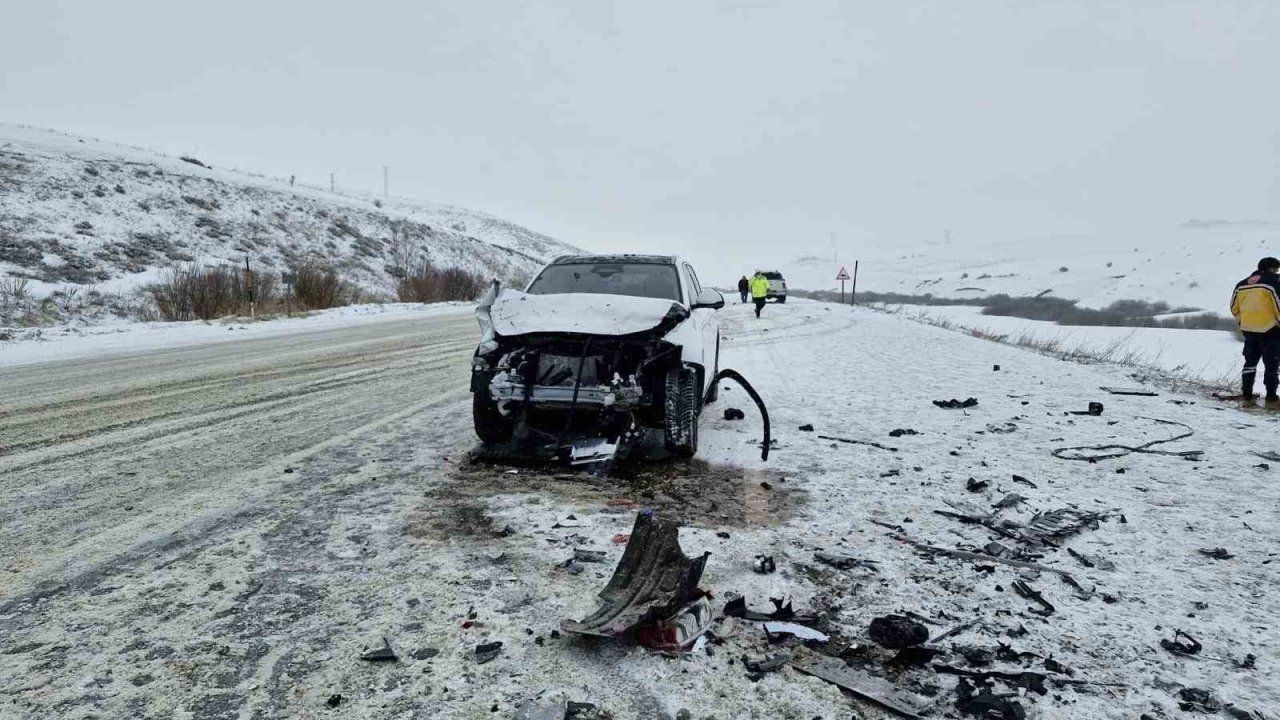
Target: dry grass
{"x": 426, "y": 283}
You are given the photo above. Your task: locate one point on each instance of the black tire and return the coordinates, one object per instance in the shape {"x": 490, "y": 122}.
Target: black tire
{"x": 681, "y": 431}
{"x": 491, "y": 426}
{"x": 714, "y": 393}
{"x": 782, "y": 299}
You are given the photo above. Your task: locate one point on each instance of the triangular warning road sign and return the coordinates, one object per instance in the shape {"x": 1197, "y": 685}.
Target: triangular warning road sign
{"x": 843, "y": 275}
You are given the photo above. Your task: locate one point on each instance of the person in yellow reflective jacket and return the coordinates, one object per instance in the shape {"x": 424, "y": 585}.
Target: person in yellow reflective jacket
{"x": 759, "y": 290}
{"x": 1256, "y": 306}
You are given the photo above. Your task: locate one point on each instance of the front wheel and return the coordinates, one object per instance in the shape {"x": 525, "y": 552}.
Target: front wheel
{"x": 682, "y": 412}
{"x": 491, "y": 425}
{"x": 782, "y": 299}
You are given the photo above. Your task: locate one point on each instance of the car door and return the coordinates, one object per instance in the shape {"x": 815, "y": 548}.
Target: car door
{"x": 706, "y": 323}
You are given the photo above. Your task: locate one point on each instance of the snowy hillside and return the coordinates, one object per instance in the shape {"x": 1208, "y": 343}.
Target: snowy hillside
{"x": 1195, "y": 264}
{"x": 83, "y": 212}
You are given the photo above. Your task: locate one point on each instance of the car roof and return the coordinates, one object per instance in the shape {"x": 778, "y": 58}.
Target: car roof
{"x": 623, "y": 258}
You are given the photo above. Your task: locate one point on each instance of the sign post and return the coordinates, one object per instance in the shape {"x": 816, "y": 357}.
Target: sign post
{"x": 248, "y": 275}
{"x": 842, "y": 276}
{"x": 853, "y": 298}
{"x": 287, "y": 279}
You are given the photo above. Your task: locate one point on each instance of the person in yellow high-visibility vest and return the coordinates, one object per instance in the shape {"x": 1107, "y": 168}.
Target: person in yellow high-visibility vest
{"x": 759, "y": 290}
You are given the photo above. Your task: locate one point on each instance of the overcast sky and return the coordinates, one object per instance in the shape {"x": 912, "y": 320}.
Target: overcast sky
{"x": 757, "y": 128}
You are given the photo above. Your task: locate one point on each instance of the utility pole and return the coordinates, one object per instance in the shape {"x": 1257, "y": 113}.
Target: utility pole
{"x": 331, "y": 182}
{"x": 248, "y": 276}
{"x": 385, "y": 171}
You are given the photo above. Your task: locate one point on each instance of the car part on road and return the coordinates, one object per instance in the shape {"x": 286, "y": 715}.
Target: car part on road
{"x": 680, "y": 632}
{"x": 487, "y": 651}
{"x": 1129, "y": 391}
{"x": 1095, "y": 409}
{"x": 1021, "y": 480}
{"x": 954, "y": 404}
{"x": 847, "y": 441}
{"x": 737, "y": 607}
{"x": 735, "y": 376}
{"x": 757, "y": 669}
{"x": 863, "y": 686}
{"x": 794, "y": 629}
{"x": 1092, "y": 561}
{"x": 588, "y": 556}
{"x": 381, "y": 654}
{"x": 974, "y": 485}
{"x": 896, "y": 632}
{"x": 764, "y": 565}
{"x": 1052, "y": 526}
{"x": 1182, "y": 644}
{"x": 653, "y": 581}
{"x": 979, "y": 557}
{"x": 733, "y": 414}
{"x": 805, "y": 428}
{"x": 1094, "y": 453}
{"x": 1030, "y": 593}
{"x": 1216, "y": 553}
{"x": 899, "y": 432}
{"x": 843, "y": 562}
{"x": 1009, "y": 500}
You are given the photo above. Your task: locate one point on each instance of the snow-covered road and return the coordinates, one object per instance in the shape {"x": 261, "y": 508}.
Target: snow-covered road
{"x": 220, "y": 531}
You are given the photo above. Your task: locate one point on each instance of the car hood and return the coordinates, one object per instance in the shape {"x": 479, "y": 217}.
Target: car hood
{"x": 517, "y": 313}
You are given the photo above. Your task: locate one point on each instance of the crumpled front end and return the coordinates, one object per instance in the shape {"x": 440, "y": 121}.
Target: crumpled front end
{"x": 563, "y": 392}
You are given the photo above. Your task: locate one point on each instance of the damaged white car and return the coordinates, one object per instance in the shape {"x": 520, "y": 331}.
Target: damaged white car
{"x": 595, "y": 351}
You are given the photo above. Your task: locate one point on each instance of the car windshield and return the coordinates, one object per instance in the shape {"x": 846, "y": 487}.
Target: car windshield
{"x": 773, "y": 275}
{"x": 634, "y": 279}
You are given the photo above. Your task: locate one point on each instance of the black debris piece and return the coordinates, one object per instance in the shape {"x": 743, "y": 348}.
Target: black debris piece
{"x": 982, "y": 703}
{"x": 1249, "y": 662}
{"x": 1001, "y": 428}
{"x": 862, "y": 685}
{"x": 858, "y": 442}
{"x": 1216, "y": 553}
{"x": 1271, "y": 455}
{"x": 583, "y": 711}
{"x": 891, "y": 473}
{"x": 1197, "y": 700}
{"x": 757, "y": 669}
{"x": 1048, "y": 528}
{"x": 954, "y": 404}
{"x": 995, "y": 368}
{"x": 764, "y": 565}
{"x": 424, "y": 653}
{"x": 974, "y": 486}
{"x": 381, "y": 654}
{"x": 335, "y": 700}
{"x": 805, "y": 428}
{"x": 653, "y": 581}
{"x": 733, "y": 414}
{"x": 488, "y": 651}
{"x": 723, "y": 535}
{"x": 1092, "y": 561}
{"x": 1182, "y": 644}
{"x": 588, "y": 556}
{"x": 737, "y": 607}
{"x": 573, "y": 567}
{"x": 915, "y": 656}
{"x": 977, "y": 656}
{"x": 506, "y": 531}
{"x": 1110, "y": 451}
{"x": 896, "y": 632}
{"x": 899, "y": 432}
{"x": 1009, "y": 501}
{"x": 1030, "y": 593}
{"x": 1054, "y": 666}
{"x": 1024, "y": 481}
{"x": 1032, "y": 681}
{"x": 843, "y": 562}
{"x": 1095, "y": 409}
{"x": 1129, "y": 391}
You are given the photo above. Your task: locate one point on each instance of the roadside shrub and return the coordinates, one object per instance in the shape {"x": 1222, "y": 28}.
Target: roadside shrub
{"x": 205, "y": 293}
{"x": 426, "y": 283}
{"x": 319, "y": 287}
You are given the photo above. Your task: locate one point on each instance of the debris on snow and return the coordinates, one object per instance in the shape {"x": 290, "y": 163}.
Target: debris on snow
{"x": 1092, "y": 561}
{"x": 1128, "y": 391}
{"x": 588, "y": 556}
{"x": 843, "y": 562}
{"x": 678, "y": 633}
{"x": 805, "y": 428}
{"x": 1022, "y": 588}
{"x": 652, "y": 582}
{"x": 788, "y": 628}
{"x": 899, "y": 432}
{"x": 975, "y": 486}
{"x": 764, "y": 565}
{"x": 1197, "y": 700}
{"x": 954, "y": 404}
{"x": 1182, "y": 644}
{"x": 1024, "y": 481}
{"x": 1094, "y": 453}
{"x": 896, "y": 632}
{"x": 1216, "y": 553}
{"x": 866, "y": 687}
{"x": 1009, "y": 500}
{"x": 1095, "y": 409}
{"x": 858, "y": 442}
{"x": 487, "y": 651}
{"x": 737, "y": 607}
{"x": 734, "y": 414}
{"x": 381, "y": 654}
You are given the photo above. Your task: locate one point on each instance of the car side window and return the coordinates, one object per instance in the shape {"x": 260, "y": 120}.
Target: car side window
{"x": 695, "y": 287}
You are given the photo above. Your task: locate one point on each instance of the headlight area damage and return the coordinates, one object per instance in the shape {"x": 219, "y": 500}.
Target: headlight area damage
{"x": 580, "y": 377}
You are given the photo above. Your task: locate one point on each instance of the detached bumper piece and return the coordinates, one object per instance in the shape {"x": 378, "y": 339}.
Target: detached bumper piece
{"x": 653, "y": 591}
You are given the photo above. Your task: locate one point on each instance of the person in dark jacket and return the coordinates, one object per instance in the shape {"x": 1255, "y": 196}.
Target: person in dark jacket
{"x": 1256, "y": 307}
{"x": 744, "y": 287}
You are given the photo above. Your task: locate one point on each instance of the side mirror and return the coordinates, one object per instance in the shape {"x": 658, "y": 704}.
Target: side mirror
{"x": 710, "y": 299}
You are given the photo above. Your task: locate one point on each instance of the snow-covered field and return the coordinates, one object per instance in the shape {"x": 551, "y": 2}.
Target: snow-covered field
{"x": 78, "y": 212}
{"x": 1209, "y": 356}
{"x": 220, "y": 531}
{"x": 1195, "y": 264}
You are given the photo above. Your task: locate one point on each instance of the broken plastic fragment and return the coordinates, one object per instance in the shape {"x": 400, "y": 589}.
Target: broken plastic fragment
{"x": 653, "y": 581}
{"x": 488, "y": 651}
{"x": 896, "y": 632}
{"x": 382, "y": 654}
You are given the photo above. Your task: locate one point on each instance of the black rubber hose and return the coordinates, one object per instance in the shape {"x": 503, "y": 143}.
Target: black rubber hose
{"x": 764, "y": 412}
